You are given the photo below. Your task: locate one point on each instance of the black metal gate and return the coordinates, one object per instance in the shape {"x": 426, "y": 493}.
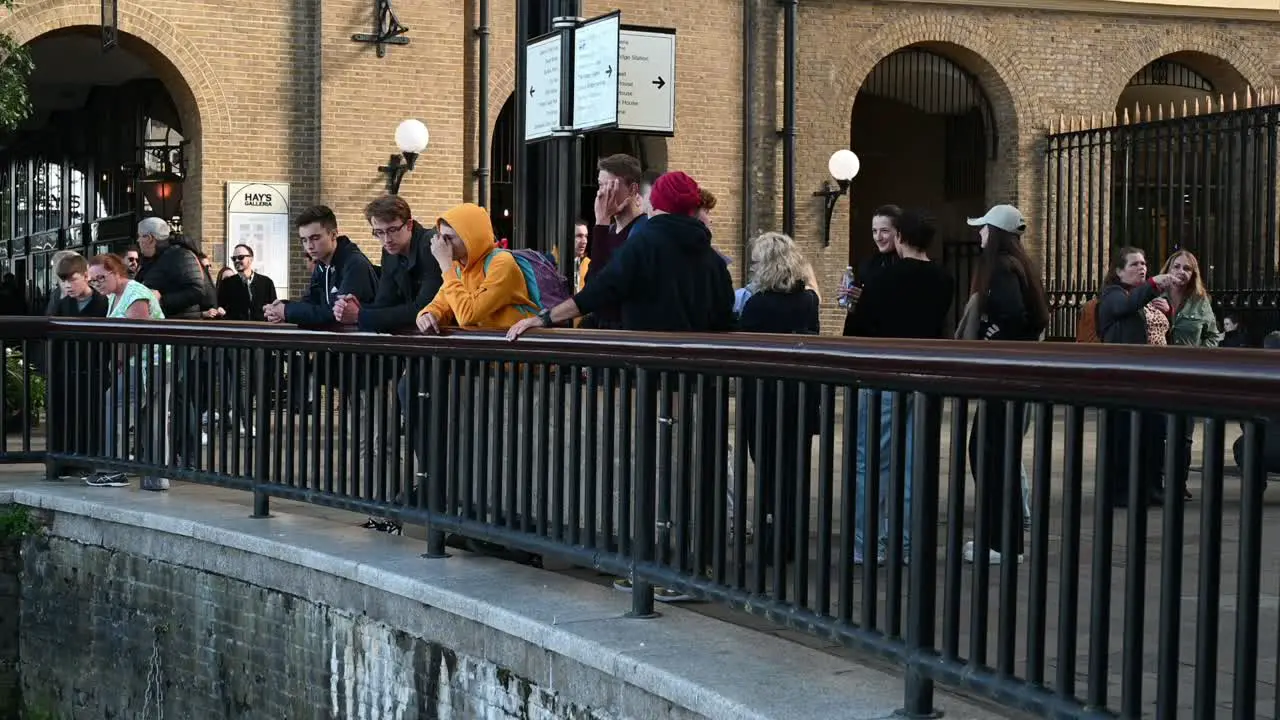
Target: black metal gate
{"x": 1201, "y": 178}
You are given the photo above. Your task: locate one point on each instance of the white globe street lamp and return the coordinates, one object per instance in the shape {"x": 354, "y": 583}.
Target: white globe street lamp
{"x": 411, "y": 138}
{"x": 843, "y": 166}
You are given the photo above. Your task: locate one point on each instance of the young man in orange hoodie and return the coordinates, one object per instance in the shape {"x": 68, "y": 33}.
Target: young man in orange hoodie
{"x": 483, "y": 285}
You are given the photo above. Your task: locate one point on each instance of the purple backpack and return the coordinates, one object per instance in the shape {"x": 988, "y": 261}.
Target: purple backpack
{"x": 543, "y": 282}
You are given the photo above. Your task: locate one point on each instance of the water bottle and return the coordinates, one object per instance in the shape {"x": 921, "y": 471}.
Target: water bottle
{"x": 846, "y": 284}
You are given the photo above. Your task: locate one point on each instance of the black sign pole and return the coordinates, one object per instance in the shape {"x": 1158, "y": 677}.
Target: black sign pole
{"x": 564, "y": 147}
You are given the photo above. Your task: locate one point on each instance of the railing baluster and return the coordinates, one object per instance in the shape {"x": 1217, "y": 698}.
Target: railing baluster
{"x": 921, "y": 602}
{"x": 646, "y": 481}
{"x": 1041, "y": 477}
{"x": 1100, "y": 598}
{"x": 1172, "y": 555}
{"x": 1245, "y": 696}
{"x": 1070, "y": 568}
{"x": 826, "y": 495}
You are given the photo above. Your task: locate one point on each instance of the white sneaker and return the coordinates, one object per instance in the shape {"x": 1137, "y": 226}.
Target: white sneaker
{"x": 993, "y": 557}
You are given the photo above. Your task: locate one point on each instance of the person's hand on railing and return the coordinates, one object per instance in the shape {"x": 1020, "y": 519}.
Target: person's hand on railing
{"x": 274, "y": 312}
{"x": 523, "y": 327}
{"x": 347, "y": 310}
{"x": 213, "y": 313}
{"x": 428, "y": 324}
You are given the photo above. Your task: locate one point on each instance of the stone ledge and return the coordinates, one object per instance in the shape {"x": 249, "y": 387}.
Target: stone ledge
{"x": 697, "y": 664}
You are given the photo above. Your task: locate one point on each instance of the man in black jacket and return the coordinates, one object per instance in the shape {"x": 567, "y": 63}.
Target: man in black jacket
{"x": 244, "y": 296}
{"x": 667, "y": 277}
{"x": 410, "y": 276}
{"x": 171, "y": 268}
{"x": 341, "y": 269}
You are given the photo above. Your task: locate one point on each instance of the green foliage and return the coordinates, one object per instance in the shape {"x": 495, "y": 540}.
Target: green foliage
{"x": 14, "y": 376}
{"x": 15, "y": 69}
{"x": 16, "y": 522}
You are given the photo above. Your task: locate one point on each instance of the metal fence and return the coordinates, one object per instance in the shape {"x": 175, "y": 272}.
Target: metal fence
{"x": 1200, "y": 178}
{"x": 727, "y": 468}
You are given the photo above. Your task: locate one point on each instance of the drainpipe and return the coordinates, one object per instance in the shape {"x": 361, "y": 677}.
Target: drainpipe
{"x": 482, "y": 142}
{"x": 748, "y": 132}
{"x": 790, "y": 40}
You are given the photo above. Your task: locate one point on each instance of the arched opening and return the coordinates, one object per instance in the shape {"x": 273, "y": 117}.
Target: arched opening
{"x": 650, "y": 150}
{"x": 928, "y": 136}
{"x": 1179, "y": 79}
{"x": 106, "y": 144}
{"x": 1168, "y": 178}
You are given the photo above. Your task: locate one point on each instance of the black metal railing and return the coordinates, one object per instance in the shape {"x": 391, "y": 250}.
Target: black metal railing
{"x": 1164, "y": 180}
{"x": 726, "y": 468}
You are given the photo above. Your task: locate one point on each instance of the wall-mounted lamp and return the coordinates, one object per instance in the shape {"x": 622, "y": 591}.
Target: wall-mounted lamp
{"x": 843, "y": 166}
{"x": 411, "y": 138}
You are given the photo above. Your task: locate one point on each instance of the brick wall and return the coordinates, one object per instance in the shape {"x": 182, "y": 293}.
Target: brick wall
{"x": 110, "y": 634}
{"x": 289, "y": 96}
{"x": 10, "y": 687}
{"x": 1033, "y": 65}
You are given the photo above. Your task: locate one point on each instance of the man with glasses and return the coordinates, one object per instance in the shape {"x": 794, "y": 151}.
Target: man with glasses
{"x": 244, "y": 297}
{"x": 133, "y": 260}
{"x": 410, "y": 280}
{"x": 410, "y": 276}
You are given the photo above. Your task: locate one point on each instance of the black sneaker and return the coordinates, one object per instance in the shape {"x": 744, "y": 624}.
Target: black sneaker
{"x": 106, "y": 480}
{"x": 386, "y": 525}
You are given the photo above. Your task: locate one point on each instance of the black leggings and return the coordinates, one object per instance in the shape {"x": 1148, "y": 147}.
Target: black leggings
{"x": 990, "y": 475}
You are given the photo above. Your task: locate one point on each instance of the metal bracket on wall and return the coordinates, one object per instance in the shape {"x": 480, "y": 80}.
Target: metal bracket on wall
{"x": 387, "y": 28}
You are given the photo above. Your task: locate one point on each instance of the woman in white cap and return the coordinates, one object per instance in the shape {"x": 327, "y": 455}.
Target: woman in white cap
{"x": 1011, "y": 305}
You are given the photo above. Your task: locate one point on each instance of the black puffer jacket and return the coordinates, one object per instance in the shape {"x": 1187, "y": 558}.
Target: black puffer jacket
{"x": 175, "y": 272}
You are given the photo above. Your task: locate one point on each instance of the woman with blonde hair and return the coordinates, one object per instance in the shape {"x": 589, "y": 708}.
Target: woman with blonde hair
{"x": 782, "y": 302}
{"x": 1192, "y": 325}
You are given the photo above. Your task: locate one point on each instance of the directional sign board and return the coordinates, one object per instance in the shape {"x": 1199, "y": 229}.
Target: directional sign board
{"x": 647, "y": 80}
{"x": 595, "y": 73}
{"x": 542, "y": 88}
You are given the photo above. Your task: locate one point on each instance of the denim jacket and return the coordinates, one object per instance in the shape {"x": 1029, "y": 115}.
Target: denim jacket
{"x": 1194, "y": 325}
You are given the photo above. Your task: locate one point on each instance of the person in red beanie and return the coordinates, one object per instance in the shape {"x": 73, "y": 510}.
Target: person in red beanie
{"x": 666, "y": 278}
{"x": 675, "y": 193}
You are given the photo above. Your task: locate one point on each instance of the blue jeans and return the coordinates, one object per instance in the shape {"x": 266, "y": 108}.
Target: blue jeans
{"x": 865, "y": 397}
{"x": 150, "y": 445}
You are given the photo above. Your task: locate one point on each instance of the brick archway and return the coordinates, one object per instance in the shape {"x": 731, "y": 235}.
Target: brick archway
{"x": 502, "y": 84}
{"x": 183, "y": 69}
{"x": 967, "y": 44}
{"x": 1229, "y": 51}
{"x": 828, "y": 97}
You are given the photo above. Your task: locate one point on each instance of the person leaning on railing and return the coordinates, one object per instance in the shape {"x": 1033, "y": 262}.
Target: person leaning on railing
{"x": 72, "y": 366}
{"x": 1192, "y": 325}
{"x": 410, "y": 279}
{"x": 1011, "y": 306}
{"x": 667, "y": 277}
{"x": 1131, "y": 311}
{"x": 131, "y": 300}
{"x": 484, "y": 286}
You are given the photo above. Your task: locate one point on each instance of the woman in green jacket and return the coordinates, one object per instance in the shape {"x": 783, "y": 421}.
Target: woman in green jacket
{"x": 1192, "y": 325}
